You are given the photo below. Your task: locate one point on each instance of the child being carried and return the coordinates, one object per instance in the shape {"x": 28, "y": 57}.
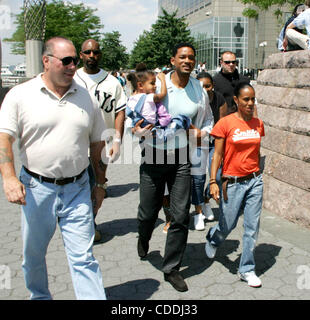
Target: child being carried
{"x": 147, "y": 105}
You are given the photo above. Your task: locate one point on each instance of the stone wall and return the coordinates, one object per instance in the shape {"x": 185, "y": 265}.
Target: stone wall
{"x": 283, "y": 94}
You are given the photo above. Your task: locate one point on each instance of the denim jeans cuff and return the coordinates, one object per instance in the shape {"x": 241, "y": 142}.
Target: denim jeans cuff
{"x": 216, "y": 239}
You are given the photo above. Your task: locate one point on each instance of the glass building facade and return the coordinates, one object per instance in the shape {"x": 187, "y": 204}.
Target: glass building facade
{"x": 218, "y": 34}
{"x": 184, "y": 7}
{"x": 213, "y": 34}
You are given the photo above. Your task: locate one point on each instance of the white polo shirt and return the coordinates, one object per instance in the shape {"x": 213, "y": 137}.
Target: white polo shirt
{"x": 54, "y": 134}
{"x": 106, "y": 93}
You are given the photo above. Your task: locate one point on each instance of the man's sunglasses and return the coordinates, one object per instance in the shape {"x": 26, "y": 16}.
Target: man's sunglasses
{"x": 95, "y": 52}
{"x": 66, "y": 60}
{"x": 230, "y": 62}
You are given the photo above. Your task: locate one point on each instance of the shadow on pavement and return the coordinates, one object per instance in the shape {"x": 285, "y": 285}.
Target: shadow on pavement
{"x": 119, "y": 227}
{"x": 119, "y": 190}
{"x": 133, "y": 290}
{"x": 195, "y": 260}
{"x": 265, "y": 257}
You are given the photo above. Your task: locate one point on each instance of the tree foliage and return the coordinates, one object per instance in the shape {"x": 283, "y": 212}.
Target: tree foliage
{"x": 74, "y": 21}
{"x": 154, "y": 47}
{"x": 265, "y": 5}
{"x": 114, "y": 55}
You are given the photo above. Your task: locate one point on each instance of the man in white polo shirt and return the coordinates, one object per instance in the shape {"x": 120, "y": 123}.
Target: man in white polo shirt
{"x": 56, "y": 123}
{"x": 107, "y": 95}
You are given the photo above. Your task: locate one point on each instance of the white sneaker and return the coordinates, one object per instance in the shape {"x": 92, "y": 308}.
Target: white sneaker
{"x": 208, "y": 212}
{"x": 199, "y": 222}
{"x": 210, "y": 250}
{"x": 251, "y": 278}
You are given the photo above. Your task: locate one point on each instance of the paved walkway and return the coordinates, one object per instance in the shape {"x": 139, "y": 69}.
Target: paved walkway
{"x": 282, "y": 254}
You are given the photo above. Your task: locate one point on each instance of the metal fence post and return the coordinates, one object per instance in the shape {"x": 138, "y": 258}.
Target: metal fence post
{"x": 35, "y": 23}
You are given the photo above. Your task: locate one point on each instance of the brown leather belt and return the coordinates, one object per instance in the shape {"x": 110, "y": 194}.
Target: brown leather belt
{"x": 229, "y": 179}
{"x": 59, "y": 182}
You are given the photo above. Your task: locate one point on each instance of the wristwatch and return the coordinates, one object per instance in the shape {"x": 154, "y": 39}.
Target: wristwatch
{"x": 101, "y": 185}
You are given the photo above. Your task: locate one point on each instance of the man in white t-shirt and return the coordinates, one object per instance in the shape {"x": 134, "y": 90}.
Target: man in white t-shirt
{"x": 108, "y": 95}
{"x": 56, "y": 123}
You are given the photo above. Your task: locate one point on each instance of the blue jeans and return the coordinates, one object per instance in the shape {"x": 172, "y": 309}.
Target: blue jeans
{"x": 246, "y": 195}
{"x": 218, "y": 174}
{"x": 199, "y": 159}
{"x": 198, "y": 183}
{"x": 70, "y": 206}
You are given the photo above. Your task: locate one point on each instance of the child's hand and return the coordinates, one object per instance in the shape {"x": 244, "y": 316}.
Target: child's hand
{"x": 161, "y": 76}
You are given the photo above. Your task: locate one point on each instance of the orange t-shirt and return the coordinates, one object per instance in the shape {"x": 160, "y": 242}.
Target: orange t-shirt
{"x": 242, "y": 144}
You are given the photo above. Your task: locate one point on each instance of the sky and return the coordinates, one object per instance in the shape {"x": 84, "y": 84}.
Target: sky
{"x": 129, "y": 17}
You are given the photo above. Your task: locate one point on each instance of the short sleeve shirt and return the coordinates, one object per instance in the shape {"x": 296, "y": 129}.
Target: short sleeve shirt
{"x": 180, "y": 101}
{"x": 303, "y": 21}
{"x": 149, "y": 107}
{"x": 106, "y": 93}
{"x": 54, "y": 134}
{"x": 242, "y": 144}
{"x": 215, "y": 104}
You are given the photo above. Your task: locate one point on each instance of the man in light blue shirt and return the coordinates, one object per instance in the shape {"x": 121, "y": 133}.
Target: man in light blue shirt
{"x": 169, "y": 163}
{"x": 301, "y": 21}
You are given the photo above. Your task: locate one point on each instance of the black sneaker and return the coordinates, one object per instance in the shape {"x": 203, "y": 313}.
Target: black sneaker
{"x": 143, "y": 248}
{"x": 176, "y": 280}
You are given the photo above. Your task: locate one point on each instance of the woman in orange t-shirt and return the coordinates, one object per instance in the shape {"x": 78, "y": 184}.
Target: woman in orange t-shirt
{"x": 237, "y": 144}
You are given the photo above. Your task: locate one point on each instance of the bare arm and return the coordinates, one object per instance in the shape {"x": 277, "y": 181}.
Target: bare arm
{"x": 13, "y": 188}
{"x": 119, "y": 124}
{"x": 291, "y": 26}
{"x": 98, "y": 193}
{"x": 223, "y": 110}
{"x": 195, "y": 134}
{"x": 119, "y": 131}
{"x": 163, "y": 90}
{"x": 216, "y": 162}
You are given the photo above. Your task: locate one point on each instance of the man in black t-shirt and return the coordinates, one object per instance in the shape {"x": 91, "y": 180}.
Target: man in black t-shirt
{"x": 227, "y": 79}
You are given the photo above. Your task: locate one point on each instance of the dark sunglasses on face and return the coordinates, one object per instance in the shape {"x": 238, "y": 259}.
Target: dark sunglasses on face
{"x": 230, "y": 62}
{"x": 67, "y": 60}
{"x": 95, "y": 52}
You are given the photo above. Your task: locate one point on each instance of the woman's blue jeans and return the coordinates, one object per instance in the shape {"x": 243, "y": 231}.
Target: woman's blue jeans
{"x": 70, "y": 206}
{"x": 246, "y": 196}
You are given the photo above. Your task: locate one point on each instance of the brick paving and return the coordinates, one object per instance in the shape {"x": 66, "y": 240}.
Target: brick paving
{"x": 282, "y": 255}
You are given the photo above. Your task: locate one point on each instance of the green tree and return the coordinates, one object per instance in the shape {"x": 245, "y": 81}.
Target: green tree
{"x": 114, "y": 55}
{"x": 143, "y": 51}
{"x": 74, "y": 21}
{"x": 265, "y": 5}
{"x": 154, "y": 47}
